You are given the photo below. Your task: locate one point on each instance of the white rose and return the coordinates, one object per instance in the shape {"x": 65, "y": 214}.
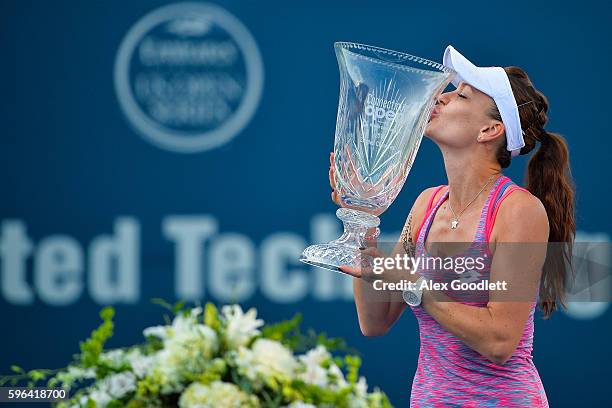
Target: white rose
{"x": 267, "y": 360}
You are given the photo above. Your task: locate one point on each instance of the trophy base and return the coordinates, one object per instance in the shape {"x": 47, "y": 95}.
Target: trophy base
{"x": 344, "y": 250}
{"x": 329, "y": 256}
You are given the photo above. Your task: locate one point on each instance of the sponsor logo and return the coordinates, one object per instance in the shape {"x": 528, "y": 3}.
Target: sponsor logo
{"x": 188, "y": 77}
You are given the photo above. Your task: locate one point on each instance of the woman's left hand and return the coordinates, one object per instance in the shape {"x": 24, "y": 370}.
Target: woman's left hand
{"x": 365, "y": 269}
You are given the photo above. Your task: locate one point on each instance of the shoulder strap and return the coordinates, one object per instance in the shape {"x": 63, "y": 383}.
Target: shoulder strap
{"x": 429, "y": 207}
{"x": 504, "y": 190}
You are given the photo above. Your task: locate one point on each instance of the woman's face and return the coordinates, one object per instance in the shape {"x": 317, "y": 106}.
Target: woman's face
{"x": 460, "y": 116}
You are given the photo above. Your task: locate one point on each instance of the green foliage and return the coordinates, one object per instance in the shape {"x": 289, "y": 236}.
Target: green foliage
{"x": 313, "y": 394}
{"x": 211, "y": 317}
{"x": 289, "y": 333}
{"x": 161, "y": 302}
{"x": 352, "y": 365}
{"x": 32, "y": 376}
{"x": 93, "y": 346}
{"x": 16, "y": 369}
{"x": 286, "y": 331}
{"x": 174, "y": 309}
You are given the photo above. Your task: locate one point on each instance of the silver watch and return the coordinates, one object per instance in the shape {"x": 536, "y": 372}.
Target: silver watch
{"x": 413, "y": 297}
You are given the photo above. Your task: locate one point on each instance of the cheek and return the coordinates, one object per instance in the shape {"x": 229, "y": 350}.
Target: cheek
{"x": 452, "y": 128}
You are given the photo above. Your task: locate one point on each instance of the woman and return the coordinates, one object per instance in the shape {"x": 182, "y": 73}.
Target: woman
{"x": 475, "y": 347}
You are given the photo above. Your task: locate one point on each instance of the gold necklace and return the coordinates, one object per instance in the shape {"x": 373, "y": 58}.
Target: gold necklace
{"x": 455, "y": 220}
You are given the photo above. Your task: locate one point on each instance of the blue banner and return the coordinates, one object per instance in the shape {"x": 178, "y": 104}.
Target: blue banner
{"x": 150, "y": 154}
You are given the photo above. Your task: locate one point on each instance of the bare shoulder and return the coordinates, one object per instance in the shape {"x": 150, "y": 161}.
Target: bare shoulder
{"x": 418, "y": 209}
{"x": 521, "y": 217}
{"x": 420, "y": 204}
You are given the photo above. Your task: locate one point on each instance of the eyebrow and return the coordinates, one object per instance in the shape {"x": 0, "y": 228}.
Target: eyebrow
{"x": 465, "y": 85}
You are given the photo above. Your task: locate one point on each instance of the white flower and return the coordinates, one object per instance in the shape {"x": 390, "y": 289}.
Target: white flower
{"x": 314, "y": 372}
{"x": 360, "y": 398}
{"x": 216, "y": 395}
{"x": 167, "y": 369}
{"x": 141, "y": 364}
{"x": 195, "y": 312}
{"x": 240, "y": 327}
{"x": 78, "y": 373}
{"x": 335, "y": 371}
{"x": 361, "y": 387}
{"x": 119, "y": 384}
{"x": 160, "y": 332}
{"x": 187, "y": 349}
{"x": 74, "y": 374}
{"x": 268, "y": 360}
{"x": 300, "y": 404}
{"x": 114, "y": 358}
{"x": 82, "y": 402}
{"x": 100, "y": 397}
{"x": 315, "y": 356}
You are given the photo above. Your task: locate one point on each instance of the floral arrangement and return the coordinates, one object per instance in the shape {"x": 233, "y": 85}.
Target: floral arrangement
{"x": 210, "y": 357}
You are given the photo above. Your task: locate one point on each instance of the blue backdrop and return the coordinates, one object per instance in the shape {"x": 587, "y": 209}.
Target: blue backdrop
{"x": 121, "y": 186}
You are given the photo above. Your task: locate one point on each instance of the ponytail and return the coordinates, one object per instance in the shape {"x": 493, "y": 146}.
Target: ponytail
{"x": 549, "y": 178}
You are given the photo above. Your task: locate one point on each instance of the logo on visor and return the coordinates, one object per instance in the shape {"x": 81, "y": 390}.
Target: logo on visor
{"x": 188, "y": 77}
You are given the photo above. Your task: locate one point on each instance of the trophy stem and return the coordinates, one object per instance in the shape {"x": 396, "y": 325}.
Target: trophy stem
{"x": 344, "y": 250}
{"x": 356, "y": 224}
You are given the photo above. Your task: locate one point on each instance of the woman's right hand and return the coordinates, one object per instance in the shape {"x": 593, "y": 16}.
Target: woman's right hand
{"x": 364, "y": 189}
{"x": 372, "y": 233}
{"x": 334, "y": 194}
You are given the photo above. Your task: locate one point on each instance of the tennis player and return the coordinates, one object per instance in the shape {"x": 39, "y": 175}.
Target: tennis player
{"x": 475, "y": 347}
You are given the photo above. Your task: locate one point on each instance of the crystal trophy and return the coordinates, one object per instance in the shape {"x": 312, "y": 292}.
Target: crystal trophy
{"x": 386, "y": 99}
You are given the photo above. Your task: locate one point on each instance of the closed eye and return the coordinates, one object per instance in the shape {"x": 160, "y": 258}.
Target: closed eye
{"x": 462, "y": 96}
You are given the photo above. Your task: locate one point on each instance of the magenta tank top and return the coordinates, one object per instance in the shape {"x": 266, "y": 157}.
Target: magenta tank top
{"x": 451, "y": 374}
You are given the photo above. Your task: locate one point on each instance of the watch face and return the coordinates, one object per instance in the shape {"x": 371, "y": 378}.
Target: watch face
{"x": 410, "y": 297}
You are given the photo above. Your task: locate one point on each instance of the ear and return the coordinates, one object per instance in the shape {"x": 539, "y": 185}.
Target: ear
{"x": 491, "y": 131}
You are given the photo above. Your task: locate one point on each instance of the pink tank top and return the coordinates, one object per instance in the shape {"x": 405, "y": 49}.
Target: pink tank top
{"x": 451, "y": 374}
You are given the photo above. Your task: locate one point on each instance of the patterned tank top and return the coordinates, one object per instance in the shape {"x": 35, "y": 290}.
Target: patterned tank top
{"x": 451, "y": 374}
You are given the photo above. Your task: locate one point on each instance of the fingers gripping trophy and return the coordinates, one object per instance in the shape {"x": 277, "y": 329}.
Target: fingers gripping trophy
{"x": 386, "y": 99}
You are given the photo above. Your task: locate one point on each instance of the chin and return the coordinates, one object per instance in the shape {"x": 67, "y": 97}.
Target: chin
{"x": 429, "y": 133}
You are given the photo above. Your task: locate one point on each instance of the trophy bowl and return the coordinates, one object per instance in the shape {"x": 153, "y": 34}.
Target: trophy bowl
{"x": 386, "y": 99}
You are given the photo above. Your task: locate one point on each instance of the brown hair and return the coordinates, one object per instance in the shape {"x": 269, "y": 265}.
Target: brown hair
{"x": 549, "y": 178}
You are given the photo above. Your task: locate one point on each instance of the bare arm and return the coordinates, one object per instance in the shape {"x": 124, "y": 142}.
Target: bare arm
{"x": 379, "y": 310}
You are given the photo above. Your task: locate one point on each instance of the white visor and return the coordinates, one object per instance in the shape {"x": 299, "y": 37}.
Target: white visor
{"x": 494, "y": 82}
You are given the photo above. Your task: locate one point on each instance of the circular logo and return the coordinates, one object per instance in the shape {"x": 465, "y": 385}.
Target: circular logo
{"x": 188, "y": 77}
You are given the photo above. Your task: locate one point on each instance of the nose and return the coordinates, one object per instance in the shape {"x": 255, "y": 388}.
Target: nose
{"x": 442, "y": 98}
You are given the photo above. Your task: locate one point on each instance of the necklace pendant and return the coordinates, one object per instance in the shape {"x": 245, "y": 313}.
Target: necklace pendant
{"x": 454, "y": 223}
